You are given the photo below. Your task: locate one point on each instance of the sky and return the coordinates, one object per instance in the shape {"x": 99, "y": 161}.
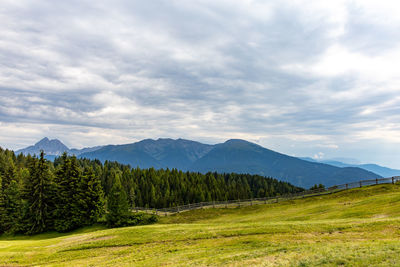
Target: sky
{"x": 305, "y": 78}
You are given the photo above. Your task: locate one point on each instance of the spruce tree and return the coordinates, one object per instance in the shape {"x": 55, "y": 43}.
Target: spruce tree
{"x": 12, "y": 207}
{"x": 68, "y": 203}
{"x": 9, "y": 196}
{"x": 117, "y": 204}
{"x": 38, "y": 196}
{"x": 2, "y": 207}
{"x": 92, "y": 197}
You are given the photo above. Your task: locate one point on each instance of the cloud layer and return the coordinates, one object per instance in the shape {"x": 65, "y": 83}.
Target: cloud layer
{"x": 301, "y": 77}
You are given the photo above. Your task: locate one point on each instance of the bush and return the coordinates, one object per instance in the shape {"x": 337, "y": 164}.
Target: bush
{"x": 132, "y": 219}
{"x": 141, "y": 219}
{"x": 315, "y": 187}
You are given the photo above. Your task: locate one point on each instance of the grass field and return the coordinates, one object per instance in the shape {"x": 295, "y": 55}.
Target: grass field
{"x": 358, "y": 227}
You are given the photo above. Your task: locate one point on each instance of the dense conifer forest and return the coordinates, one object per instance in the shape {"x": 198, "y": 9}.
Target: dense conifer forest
{"x": 37, "y": 195}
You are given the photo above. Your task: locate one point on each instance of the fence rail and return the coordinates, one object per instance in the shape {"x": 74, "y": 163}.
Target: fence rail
{"x": 266, "y": 200}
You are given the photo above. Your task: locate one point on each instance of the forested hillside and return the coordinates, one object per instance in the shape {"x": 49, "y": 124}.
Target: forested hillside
{"x": 37, "y": 195}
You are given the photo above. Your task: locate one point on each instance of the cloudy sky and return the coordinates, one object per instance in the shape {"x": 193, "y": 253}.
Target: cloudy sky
{"x": 306, "y": 78}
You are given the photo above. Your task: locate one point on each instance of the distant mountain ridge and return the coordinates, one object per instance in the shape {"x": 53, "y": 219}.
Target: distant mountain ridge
{"x": 234, "y": 155}
{"x": 383, "y": 171}
{"x": 53, "y": 148}
{"x": 160, "y": 153}
{"x": 244, "y": 157}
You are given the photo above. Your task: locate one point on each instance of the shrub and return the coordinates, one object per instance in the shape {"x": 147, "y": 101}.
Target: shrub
{"x": 132, "y": 219}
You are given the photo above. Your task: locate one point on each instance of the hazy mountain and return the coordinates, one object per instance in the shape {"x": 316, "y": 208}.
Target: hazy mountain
{"x": 53, "y": 148}
{"x": 350, "y": 161}
{"x": 381, "y": 170}
{"x": 245, "y": 157}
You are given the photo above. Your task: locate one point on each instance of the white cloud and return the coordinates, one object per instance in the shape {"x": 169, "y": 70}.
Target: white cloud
{"x": 319, "y": 156}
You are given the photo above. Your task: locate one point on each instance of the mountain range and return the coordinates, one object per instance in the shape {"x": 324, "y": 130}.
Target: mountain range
{"x": 233, "y": 155}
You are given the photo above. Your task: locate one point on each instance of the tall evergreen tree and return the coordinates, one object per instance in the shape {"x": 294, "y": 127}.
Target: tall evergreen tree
{"x": 2, "y": 207}
{"x": 68, "y": 203}
{"x": 11, "y": 218}
{"x": 117, "y": 204}
{"x": 38, "y": 196}
{"x": 92, "y": 197}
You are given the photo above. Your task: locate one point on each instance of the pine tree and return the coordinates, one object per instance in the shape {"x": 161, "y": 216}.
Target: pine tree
{"x": 2, "y": 207}
{"x": 9, "y": 197}
{"x": 92, "y": 199}
{"x": 12, "y": 207}
{"x": 132, "y": 197}
{"x": 152, "y": 196}
{"x": 68, "y": 203}
{"x": 117, "y": 204}
{"x": 9, "y": 173}
{"x": 37, "y": 193}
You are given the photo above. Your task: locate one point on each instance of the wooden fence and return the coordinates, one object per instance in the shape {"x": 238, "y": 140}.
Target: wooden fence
{"x": 266, "y": 200}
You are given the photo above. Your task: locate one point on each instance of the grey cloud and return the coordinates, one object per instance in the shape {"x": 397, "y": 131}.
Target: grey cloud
{"x": 206, "y": 70}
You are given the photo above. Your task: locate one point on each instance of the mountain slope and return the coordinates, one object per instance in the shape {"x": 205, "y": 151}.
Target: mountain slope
{"x": 160, "y": 153}
{"x": 384, "y": 171}
{"x": 380, "y": 170}
{"x": 126, "y": 154}
{"x": 245, "y": 157}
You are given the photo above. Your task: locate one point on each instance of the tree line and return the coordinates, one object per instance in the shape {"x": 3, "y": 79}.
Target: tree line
{"x": 38, "y": 195}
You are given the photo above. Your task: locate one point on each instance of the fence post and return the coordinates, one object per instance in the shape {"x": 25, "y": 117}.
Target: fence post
{"x": 251, "y": 202}
{"x": 226, "y": 204}
{"x": 201, "y": 205}
{"x": 360, "y": 184}
{"x": 376, "y": 180}
{"x": 178, "y": 208}
{"x": 239, "y": 203}
{"x": 392, "y": 180}
{"x": 347, "y": 186}
{"x": 277, "y": 199}
{"x": 265, "y": 200}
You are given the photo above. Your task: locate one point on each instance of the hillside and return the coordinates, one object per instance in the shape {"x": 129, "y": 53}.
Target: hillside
{"x": 358, "y": 227}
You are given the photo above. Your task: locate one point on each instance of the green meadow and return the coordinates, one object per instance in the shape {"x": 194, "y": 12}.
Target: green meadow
{"x": 357, "y": 227}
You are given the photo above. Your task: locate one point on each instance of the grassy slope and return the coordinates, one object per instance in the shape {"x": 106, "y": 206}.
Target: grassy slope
{"x": 355, "y": 227}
